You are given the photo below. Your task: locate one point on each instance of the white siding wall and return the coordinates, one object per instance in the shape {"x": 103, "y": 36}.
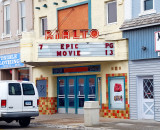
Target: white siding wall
{"x": 144, "y": 68}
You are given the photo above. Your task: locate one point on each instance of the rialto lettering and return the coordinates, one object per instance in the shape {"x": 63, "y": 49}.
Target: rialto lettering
{"x": 69, "y": 50}
{"x": 49, "y": 34}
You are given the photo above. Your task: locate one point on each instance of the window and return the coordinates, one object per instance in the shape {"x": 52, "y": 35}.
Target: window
{"x": 43, "y": 25}
{"x": 22, "y": 23}
{"x": 147, "y": 7}
{"x": 7, "y": 19}
{"x": 148, "y": 4}
{"x": 14, "y": 89}
{"x": 111, "y": 12}
{"x": 23, "y": 74}
{"x": 28, "y": 89}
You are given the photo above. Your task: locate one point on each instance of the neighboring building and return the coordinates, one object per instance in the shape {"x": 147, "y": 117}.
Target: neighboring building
{"x": 71, "y": 69}
{"x": 141, "y": 29}
{"x": 15, "y": 19}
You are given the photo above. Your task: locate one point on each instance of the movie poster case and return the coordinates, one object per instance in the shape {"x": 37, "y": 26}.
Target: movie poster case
{"x": 117, "y": 93}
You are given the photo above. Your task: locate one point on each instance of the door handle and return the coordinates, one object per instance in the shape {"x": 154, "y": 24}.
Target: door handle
{"x": 10, "y": 107}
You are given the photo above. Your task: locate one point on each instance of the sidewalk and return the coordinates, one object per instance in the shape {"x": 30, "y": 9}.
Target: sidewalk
{"x": 76, "y": 122}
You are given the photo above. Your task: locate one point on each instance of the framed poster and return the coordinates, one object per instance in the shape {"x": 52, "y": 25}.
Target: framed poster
{"x": 117, "y": 93}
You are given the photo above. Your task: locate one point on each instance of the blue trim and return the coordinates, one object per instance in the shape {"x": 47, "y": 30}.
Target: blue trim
{"x": 72, "y": 5}
{"x": 77, "y": 4}
{"x": 89, "y": 15}
{"x": 119, "y": 77}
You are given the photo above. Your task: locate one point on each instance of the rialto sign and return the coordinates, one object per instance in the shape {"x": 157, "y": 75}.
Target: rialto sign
{"x": 66, "y": 34}
{"x": 87, "y": 49}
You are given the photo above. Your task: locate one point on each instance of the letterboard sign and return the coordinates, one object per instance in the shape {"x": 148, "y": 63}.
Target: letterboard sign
{"x": 88, "y": 49}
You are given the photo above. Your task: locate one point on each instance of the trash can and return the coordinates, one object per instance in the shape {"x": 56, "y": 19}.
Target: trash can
{"x": 91, "y": 113}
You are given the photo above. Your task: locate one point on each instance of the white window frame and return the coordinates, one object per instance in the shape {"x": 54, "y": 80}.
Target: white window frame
{"x": 20, "y": 22}
{"x": 106, "y": 5}
{"x": 145, "y": 12}
{"x": 41, "y": 31}
{"x": 4, "y": 35}
{"x": 5, "y": 32}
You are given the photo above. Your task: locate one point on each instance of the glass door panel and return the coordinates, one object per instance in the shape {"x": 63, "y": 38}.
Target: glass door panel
{"x": 61, "y": 92}
{"x": 71, "y": 94}
{"x": 81, "y": 91}
{"x": 91, "y": 80}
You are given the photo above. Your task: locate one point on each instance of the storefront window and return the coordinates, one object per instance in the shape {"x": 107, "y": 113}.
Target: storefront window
{"x": 23, "y": 74}
{"x": 116, "y": 93}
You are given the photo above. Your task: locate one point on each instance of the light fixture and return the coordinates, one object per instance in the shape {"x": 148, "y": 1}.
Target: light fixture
{"x": 37, "y": 8}
{"x": 65, "y": 1}
{"x": 55, "y": 3}
{"x": 45, "y": 6}
{"x": 143, "y": 48}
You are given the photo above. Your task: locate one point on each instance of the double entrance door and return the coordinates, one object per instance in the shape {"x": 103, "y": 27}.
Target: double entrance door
{"x": 72, "y": 91}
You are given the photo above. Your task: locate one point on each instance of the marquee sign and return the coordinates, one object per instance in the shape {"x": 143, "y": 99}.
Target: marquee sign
{"x": 157, "y": 41}
{"x": 55, "y": 50}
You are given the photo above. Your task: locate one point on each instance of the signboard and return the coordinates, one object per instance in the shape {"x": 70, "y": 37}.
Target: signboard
{"x": 157, "y": 41}
{"x": 90, "y": 68}
{"x": 55, "y": 34}
{"x": 10, "y": 61}
{"x": 88, "y": 49}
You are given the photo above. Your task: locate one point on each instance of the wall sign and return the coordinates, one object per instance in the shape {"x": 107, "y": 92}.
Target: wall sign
{"x": 54, "y": 34}
{"x": 91, "y": 68}
{"x": 50, "y": 50}
{"x": 157, "y": 41}
{"x": 10, "y": 61}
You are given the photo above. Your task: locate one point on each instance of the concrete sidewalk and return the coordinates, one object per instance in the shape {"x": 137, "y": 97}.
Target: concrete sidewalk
{"x": 73, "y": 121}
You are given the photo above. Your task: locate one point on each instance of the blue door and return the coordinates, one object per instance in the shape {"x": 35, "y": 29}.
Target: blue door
{"x": 91, "y": 87}
{"x": 81, "y": 93}
{"x": 61, "y": 95}
{"x": 73, "y": 91}
{"x": 71, "y": 95}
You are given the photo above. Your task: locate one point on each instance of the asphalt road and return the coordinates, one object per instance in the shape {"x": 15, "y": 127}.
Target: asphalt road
{"x": 15, "y": 126}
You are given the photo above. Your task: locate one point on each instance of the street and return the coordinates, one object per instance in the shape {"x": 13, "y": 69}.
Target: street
{"x": 76, "y": 122}
{"x": 15, "y": 126}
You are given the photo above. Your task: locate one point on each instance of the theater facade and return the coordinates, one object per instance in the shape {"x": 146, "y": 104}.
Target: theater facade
{"x": 78, "y": 55}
